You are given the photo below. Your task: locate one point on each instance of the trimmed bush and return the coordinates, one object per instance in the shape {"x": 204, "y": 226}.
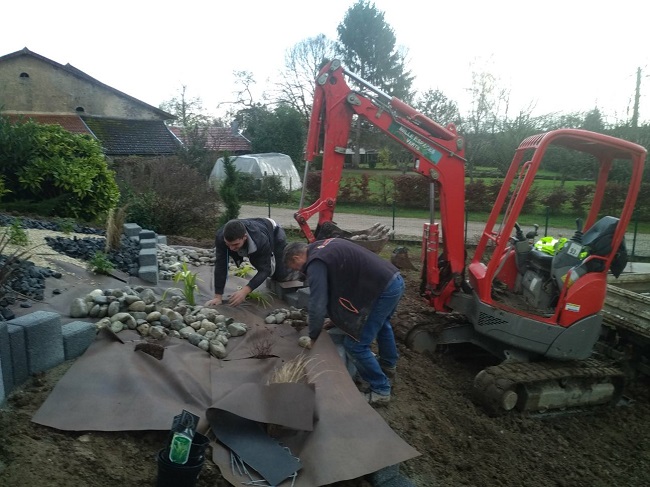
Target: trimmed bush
{"x": 167, "y": 196}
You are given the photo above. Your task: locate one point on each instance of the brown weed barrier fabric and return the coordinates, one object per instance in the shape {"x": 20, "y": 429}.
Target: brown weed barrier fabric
{"x": 324, "y": 422}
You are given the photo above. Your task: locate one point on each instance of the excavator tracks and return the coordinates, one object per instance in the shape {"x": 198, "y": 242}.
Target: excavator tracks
{"x": 546, "y": 386}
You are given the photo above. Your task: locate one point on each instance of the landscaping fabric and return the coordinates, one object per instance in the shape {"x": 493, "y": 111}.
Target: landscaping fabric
{"x": 327, "y": 427}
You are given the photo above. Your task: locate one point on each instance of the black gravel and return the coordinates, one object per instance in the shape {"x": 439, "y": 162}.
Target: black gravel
{"x": 27, "y": 280}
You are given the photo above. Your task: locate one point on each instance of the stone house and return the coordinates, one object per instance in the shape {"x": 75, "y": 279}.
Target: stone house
{"x": 37, "y": 88}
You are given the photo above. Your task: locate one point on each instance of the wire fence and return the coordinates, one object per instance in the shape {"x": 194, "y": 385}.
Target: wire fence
{"x": 410, "y": 229}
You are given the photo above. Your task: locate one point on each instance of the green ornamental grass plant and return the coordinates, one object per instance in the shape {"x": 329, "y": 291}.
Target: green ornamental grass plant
{"x": 189, "y": 280}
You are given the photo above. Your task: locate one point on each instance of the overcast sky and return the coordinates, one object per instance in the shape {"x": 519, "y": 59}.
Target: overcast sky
{"x": 559, "y": 56}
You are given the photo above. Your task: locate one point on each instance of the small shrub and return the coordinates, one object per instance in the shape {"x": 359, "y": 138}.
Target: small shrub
{"x": 100, "y": 263}
{"x": 273, "y": 190}
{"x": 167, "y": 196}
{"x": 555, "y": 200}
{"x": 17, "y": 234}
{"x": 244, "y": 270}
{"x": 580, "y": 195}
{"x": 261, "y": 344}
{"x": 66, "y": 225}
{"x": 260, "y": 298}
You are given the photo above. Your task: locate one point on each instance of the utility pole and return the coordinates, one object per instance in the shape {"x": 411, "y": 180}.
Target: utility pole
{"x": 637, "y": 97}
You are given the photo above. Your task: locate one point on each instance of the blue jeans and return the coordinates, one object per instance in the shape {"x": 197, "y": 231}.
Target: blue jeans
{"x": 378, "y": 327}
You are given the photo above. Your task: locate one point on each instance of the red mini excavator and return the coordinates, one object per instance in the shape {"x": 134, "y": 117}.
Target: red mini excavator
{"x": 538, "y": 311}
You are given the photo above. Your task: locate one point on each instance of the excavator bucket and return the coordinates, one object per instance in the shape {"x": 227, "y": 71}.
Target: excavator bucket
{"x": 373, "y": 238}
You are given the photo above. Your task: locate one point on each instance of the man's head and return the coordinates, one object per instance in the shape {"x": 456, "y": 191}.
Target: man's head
{"x": 295, "y": 255}
{"x": 234, "y": 234}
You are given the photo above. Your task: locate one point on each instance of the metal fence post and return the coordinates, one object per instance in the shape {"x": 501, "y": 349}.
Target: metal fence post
{"x": 548, "y": 213}
{"x": 393, "y": 236}
{"x": 635, "y": 216}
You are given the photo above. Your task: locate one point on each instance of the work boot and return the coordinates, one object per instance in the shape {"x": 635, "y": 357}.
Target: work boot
{"x": 391, "y": 372}
{"x": 376, "y": 399}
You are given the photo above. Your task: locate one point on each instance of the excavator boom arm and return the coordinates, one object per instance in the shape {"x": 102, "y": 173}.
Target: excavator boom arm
{"x": 438, "y": 153}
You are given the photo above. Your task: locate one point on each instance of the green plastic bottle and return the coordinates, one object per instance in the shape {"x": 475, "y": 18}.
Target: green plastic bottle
{"x": 179, "y": 450}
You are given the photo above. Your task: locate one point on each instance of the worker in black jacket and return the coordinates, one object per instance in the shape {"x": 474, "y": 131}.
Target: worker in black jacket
{"x": 359, "y": 291}
{"x": 262, "y": 241}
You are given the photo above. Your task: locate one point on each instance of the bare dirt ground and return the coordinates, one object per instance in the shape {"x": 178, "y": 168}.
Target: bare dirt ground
{"x": 431, "y": 409}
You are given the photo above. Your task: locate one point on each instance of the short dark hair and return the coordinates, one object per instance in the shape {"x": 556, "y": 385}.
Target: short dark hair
{"x": 234, "y": 230}
{"x": 292, "y": 249}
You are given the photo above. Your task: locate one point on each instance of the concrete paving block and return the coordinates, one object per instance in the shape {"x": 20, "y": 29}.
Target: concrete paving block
{"x": 43, "y": 340}
{"x": 148, "y": 257}
{"x": 77, "y": 337}
{"x": 149, "y": 273}
{"x": 282, "y": 289}
{"x": 131, "y": 229}
{"x": 161, "y": 239}
{"x": 147, "y": 234}
{"x": 6, "y": 369}
{"x": 18, "y": 347}
{"x": 148, "y": 243}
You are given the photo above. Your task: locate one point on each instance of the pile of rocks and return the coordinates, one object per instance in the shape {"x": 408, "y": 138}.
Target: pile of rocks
{"x": 140, "y": 309}
{"x": 56, "y": 225}
{"x": 125, "y": 258}
{"x": 25, "y": 280}
{"x": 171, "y": 259}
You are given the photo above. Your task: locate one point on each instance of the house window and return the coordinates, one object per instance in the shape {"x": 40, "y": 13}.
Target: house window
{"x": 80, "y": 109}
{"x": 24, "y": 75}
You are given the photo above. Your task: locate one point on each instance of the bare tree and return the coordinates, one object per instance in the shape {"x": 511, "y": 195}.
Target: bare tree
{"x": 302, "y": 62}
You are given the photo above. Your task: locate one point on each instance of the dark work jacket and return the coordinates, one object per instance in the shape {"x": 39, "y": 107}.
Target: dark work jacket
{"x": 260, "y": 231}
{"x": 356, "y": 277}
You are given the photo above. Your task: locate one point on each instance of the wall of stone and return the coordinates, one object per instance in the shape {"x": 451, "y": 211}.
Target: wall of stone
{"x": 29, "y": 84}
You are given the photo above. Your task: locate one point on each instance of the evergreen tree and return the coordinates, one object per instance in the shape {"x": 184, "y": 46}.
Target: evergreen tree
{"x": 228, "y": 191}
{"x": 367, "y": 46}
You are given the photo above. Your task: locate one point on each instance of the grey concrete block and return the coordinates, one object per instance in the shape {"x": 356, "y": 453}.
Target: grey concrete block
{"x": 77, "y": 337}
{"x": 148, "y": 243}
{"x": 161, "y": 239}
{"x": 148, "y": 257}
{"x": 131, "y": 229}
{"x": 18, "y": 347}
{"x": 282, "y": 289}
{"x": 43, "y": 340}
{"x": 6, "y": 369}
{"x": 147, "y": 234}
{"x": 149, "y": 273}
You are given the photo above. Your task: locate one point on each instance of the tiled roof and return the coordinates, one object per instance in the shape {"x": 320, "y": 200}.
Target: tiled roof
{"x": 132, "y": 137}
{"x": 221, "y": 139}
{"x": 72, "y": 123}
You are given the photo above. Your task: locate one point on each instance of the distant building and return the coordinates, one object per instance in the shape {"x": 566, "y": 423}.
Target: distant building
{"x": 219, "y": 139}
{"x": 34, "y": 87}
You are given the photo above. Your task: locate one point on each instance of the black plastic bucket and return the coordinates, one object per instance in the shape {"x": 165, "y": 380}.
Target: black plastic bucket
{"x": 172, "y": 474}
{"x": 197, "y": 450}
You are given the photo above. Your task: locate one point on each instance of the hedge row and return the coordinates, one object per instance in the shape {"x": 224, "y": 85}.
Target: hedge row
{"x": 412, "y": 191}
